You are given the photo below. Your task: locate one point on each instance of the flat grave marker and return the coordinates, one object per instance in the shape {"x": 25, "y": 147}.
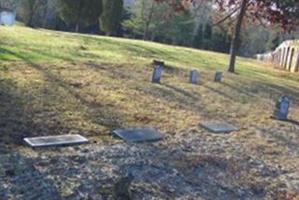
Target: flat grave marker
{"x": 194, "y": 77}
{"x": 138, "y": 134}
{"x": 60, "y": 140}
{"x": 218, "y": 77}
{"x": 218, "y": 127}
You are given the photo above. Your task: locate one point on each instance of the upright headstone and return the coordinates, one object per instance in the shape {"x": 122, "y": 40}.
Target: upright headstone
{"x": 158, "y": 69}
{"x": 218, "y": 126}
{"x": 218, "y": 76}
{"x": 282, "y": 108}
{"x": 194, "y": 77}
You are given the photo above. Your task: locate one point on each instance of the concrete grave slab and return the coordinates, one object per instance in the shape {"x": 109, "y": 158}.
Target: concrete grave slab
{"x": 59, "y": 140}
{"x": 138, "y": 134}
{"x": 218, "y": 127}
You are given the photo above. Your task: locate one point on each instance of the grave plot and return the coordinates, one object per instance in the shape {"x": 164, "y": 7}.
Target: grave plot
{"x": 138, "y": 134}
{"x": 60, "y": 140}
{"x": 218, "y": 127}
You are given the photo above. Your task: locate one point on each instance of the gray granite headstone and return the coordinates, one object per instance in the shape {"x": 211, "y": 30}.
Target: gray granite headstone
{"x": 218, "y": 127}
{"x": 194, "y": 77}
{"x": 282, "y": 108}
{"x": 59, "y": 140}
{"x": 157, "y": 74}
{"x": 218, "y": 76}
{"x": 138, "y": 134}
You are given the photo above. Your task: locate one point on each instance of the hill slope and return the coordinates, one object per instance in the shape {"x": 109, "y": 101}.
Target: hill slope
{"x": 60, "y": 83}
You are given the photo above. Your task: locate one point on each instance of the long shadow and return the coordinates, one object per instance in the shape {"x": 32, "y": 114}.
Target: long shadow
{"x": 219, "y": 92}
{"x": 14, "y": 123}
{"x": 275, "y": 91}
{"x": 182, "y": 92}
{"x": 239, "y": 90}
{"x": 113, "y": 123}
{"x": 167, "y": 92}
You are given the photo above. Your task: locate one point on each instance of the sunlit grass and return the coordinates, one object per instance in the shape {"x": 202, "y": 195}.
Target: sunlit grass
{"x": 73, "y": 83}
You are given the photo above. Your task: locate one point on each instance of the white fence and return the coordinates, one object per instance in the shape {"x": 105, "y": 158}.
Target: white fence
{"x": 286, "y": 55}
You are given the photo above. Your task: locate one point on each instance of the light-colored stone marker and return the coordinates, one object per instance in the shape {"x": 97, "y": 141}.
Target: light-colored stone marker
{"x": 59, "y": 140}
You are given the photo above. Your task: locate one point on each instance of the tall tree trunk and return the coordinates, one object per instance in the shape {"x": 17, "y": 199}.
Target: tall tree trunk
{"x": 77, "y": 28}
{"x": 148, "y": 22}
{"x": 235, "y": 44}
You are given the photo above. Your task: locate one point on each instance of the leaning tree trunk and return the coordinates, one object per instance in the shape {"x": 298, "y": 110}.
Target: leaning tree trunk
{"x": 235, "y": 44}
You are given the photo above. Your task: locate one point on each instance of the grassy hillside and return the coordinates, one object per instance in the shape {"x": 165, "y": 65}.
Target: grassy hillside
{"x": 61, "y": 83}
{"x": 64, "y": 82}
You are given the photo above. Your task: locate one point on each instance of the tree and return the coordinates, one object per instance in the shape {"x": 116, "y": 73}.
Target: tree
{"x": 30, "y": 11}
{"x": 111, "y": 17}
{"x": 79, "y": 13}
{"x": 9, "y": 4}
{"x": 283, "y": 12}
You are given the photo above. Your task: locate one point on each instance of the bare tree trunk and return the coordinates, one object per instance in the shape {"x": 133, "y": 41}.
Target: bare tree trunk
{"x": 236, "y": 40}
{"x": 148, "y": 22}
{"x": 77, "y": 28}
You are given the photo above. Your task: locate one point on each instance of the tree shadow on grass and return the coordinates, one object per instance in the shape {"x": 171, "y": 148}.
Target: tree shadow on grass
{"x": 15, "y": 124}
{"x": 108, "y": 119}
{"x": 275, "y": 91}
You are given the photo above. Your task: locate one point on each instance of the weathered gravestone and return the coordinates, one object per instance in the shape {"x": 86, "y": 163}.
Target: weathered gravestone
{"x": 218, "y": 76}
{"x": 158, "y": 70}
{"x": 194, "y": 77}
{"x": 59, "y": 140}
{"x": 138, "y": 134}
{"x": 218, "y": 127}
{"x": 282, "y": 108}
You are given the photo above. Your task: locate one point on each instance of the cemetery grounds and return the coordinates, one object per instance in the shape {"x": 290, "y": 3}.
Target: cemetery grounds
{"x": 54, "y": 83}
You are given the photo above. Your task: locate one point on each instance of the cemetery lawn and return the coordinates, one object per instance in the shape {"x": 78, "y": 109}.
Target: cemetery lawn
{"x": 54, "y": 83}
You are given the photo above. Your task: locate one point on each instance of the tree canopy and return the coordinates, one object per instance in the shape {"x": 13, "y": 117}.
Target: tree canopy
{"x": 80, "y": 12}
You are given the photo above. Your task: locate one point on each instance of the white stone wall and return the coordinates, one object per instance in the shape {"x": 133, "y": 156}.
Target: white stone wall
{"x": 286, "y": 55}
{"x": 7, "y": 18}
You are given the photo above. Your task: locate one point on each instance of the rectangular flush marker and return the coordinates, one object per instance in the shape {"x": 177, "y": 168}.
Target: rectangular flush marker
{"x": 60, "y": 140}
{"x": 219, "y": 127}
{"x": 138, "y": 134}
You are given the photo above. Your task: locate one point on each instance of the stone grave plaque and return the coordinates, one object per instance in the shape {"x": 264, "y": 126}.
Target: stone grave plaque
{"x": 138, "y": 134}
{"x": 218, "y": 76}
{"x": 218, "y": 127}
{"x": 194, "y": 77}
{"x": 59, "y": 140}
{"x": 157, "y": 74}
